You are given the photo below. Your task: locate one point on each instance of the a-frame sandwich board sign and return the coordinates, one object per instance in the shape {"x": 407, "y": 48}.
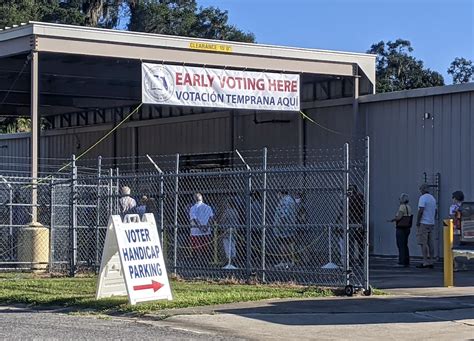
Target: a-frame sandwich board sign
{"x": 132, "y": 261}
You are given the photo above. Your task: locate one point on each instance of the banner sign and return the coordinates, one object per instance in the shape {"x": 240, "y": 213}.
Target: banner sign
{"x": 219, "y": 88}
{"x": 132, "y": 261}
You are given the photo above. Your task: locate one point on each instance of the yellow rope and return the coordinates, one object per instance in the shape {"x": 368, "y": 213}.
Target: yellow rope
{"x": 103, "y": 137}
{"x": 320, "y": 125}
{"x": 90, "y": 148}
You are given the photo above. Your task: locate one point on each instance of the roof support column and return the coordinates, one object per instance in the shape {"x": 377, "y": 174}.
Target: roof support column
{"x": 34, "y": 141}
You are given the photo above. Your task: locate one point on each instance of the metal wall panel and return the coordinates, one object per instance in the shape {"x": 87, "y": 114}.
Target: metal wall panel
{"x": 14, "y": 152}
{"x": 266, "y": 129}
{"x": 185, "y": 136}
{"x": 329, "y": 121}
{"x": 405, "y": 144}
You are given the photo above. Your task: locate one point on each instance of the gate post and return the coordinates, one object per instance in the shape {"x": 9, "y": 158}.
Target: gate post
{"x": 176, "y": 197}
{"x": 162, "y": 225}
{"x": 73, "y": 219}
{"x": 346, "y": 214}
{"x": 264, "y": 213}
{"x": 248, "y": 214}
{"x": 367, "y": 212}
{"x": 10, "y": 220}
{"x": 97, "y": 218}
{"x": 51, "y": 226}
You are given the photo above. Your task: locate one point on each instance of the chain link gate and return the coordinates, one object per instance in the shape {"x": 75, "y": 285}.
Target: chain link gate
{"x": 293, "y": 223}
{"x": 304, "y": 223}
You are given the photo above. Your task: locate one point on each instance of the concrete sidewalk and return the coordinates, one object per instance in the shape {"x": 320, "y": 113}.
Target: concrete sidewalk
{"x": 418, "y": 308}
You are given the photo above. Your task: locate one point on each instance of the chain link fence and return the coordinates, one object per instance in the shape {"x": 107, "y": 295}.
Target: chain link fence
{"x": 298, "y": 217}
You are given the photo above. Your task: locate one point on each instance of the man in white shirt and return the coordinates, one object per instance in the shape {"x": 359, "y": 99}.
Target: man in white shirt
{"x": 425, "y": 225}
{"x": 201, "y": 217}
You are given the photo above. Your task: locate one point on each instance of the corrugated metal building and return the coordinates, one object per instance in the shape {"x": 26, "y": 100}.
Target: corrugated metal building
{"x": 414, "y": 134}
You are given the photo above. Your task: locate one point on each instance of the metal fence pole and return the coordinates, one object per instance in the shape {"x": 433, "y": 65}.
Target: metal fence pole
{"x": 73, "y": 218}
{"x": 175, "y": 236}
{"x": 162, "y": 227}
{"x": 117, "y": 188}
{"x": 248, "y": 266}
{"x": 51, "y": 226}
{"x": 10, "y": 220}
{"x": 346, "y": 212}
{"x": 367, "y": 212}
{"x": 264, "y": 213}
{"x": 111, "y": 193}
{"x": 97, "y": 218}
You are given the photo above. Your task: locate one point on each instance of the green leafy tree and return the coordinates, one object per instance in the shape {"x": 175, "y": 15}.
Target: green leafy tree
{"x": 462, "y": 70}
{"x": 397, "y": 69}
{"x": 100, "y": 13}
{"x": 173, "y": 17}
{"x": 184, "y": 18}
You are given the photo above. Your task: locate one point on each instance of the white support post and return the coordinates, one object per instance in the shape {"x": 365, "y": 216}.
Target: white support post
{"x": 34, "y": 135}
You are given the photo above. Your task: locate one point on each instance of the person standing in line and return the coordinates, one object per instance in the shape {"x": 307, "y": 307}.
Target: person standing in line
{"x": 455, "y": 214}
{"x": 201, "y": 216}
{"x": 127, "y": 203}
{"x": 230, "y": 221}
{"x": 284, "y": 230}
{"x": 403, "y": 221}
{"x": 141, "y": 206}
{"x": 425, "y": 223}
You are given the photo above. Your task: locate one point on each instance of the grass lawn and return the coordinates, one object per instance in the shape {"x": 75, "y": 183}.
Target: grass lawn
{"x": 79, "y": 293}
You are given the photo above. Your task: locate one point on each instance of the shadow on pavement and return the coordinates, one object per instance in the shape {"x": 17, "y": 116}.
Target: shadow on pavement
{"x": 383, "y": 275}
{"x": 361, "y": 310}
{"x": 423, "y": 300}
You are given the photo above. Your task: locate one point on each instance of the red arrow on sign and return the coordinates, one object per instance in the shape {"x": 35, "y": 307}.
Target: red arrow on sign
{"x": 154, "y": 285}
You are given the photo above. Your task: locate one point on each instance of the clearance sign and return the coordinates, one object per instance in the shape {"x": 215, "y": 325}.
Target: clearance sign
{"x": 218, "y": 88}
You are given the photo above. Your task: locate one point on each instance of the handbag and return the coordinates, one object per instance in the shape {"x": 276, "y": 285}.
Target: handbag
{"x": 405, "y": 221}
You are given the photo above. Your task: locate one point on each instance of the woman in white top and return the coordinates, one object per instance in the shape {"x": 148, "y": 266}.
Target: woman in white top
{"x": 403, "y": 221}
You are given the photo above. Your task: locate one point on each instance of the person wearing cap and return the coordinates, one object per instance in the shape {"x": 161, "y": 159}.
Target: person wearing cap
{"x": 455, "y": 214}
{"x": 403, "y": 231}
{"x": 425, "y": 223}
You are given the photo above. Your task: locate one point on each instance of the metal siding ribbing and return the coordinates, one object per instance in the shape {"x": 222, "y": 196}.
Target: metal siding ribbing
{"x": 282, "y": 133}
{"x": 197, "y": 136}
{"x": 338, "y": 118}
{"x": 14, "y": 152}
{"x": 405, "y": 145}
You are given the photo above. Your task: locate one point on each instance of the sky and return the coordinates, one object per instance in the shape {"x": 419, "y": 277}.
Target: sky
{"x": 439, "y": 30}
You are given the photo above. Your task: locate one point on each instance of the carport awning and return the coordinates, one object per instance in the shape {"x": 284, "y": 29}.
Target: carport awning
{"x": 83, "y": 68}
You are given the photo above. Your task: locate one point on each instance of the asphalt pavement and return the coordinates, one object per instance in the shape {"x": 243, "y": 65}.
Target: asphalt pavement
{"x": 418, "y": 307}
{"x": 23, "y": 323}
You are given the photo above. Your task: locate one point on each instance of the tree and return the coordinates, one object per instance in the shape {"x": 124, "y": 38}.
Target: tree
{"x": 15, "y": 12}
{"x": 97, "y": 13}
{"x": 184, "y": 18}
{"x": 462, "y": 70}
{"x": 397, "y": 69}
{"x": 174, "y": 17}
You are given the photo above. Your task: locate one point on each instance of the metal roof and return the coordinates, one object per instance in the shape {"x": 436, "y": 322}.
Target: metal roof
{"x": 96, "y": 41}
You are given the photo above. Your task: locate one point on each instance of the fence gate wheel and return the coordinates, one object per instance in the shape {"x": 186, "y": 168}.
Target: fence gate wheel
{"x": 368, "y": 292}
{"x": 349, "y": 290}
